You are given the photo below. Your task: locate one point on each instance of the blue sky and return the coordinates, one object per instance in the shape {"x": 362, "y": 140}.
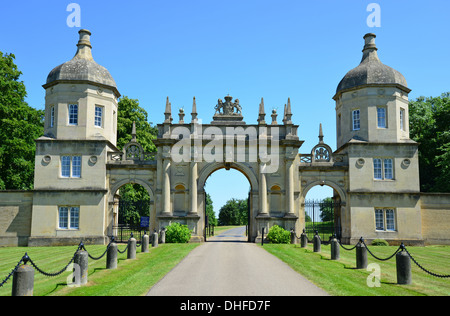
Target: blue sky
{"x": 248, "y": 49}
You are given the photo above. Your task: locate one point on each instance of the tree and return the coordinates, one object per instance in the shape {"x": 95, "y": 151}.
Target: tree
{"x": 429, "y": 126}
{"x": 20, "y": 126}
{"x": 234, "y": 212}
{"x": 134, "y": 196}
{"x": 212, "y": 220}
{"x": 327, "y": 210}
{"x": 129, "y": 111}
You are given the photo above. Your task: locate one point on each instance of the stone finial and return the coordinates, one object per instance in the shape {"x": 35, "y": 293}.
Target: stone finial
{"x": 181, "y": 115}
{"x": 370, "y": 48}
{"x": 320, "y": 134}
{"x": 84, "y": 50}
{"x": 262, "y": 113}
{"x": 288, "y": 113}
{"x": 274, "y": 117}
{"x": 194, "y": 111}
{"x": 168, "y": 112}
{"x": 133, "y": 133}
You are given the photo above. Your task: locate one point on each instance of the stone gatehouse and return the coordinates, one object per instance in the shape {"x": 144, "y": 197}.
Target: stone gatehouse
{"x": 79, "y": 170}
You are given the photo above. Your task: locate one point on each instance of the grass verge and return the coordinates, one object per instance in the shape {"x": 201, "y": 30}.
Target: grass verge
{"x": 131, "y": 278}
{"x": 341, "y": 278}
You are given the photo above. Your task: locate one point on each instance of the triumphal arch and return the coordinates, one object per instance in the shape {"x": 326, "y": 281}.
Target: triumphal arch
{"x": 79, "y": 170}
{"x": 266, "y": 153}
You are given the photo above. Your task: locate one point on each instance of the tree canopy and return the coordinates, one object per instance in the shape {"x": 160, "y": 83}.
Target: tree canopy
{"x": 234, "y": 212}
{"x": 430, "y": 126}
{"x": 212, "y": 220}
{"x": 133, "y": 197}
{"x": 130, "y": 111}
{"x": 20, "y": 125}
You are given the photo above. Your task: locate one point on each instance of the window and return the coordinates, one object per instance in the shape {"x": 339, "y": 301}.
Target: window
{"x": 52, "y": 116}
{"x": 381, "y": 117}
{"x": 356, "y": 120}
{"x": 383, "y": 169}
{"x": 379, "y": 219}
{"x": 388, "y": 169}
{"x": 402, "y": 119}
{"x": 98, "y": 116}
{"x": 377, "y": 169}
{"x": 385, "y": 219}
{"x": 69, "y": 217}
{"x": 76, "y": 167}
{"x": 65, "y": 166}
{"x": 73, "y": 114}
{"x": 71, "y": 166}
{"x": 390, "y": 219}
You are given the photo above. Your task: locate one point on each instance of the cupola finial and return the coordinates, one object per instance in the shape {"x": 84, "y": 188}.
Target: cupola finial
{"x": 84, "y": 50}
{"x": 370, "y": 48}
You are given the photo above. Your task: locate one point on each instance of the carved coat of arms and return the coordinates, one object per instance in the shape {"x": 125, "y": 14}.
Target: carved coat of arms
{"x": 228, "y": 107}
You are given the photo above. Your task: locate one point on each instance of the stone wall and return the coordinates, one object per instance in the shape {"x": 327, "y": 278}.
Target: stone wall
{"x": 435, "y": 218}
{"x": 15, "y": 217}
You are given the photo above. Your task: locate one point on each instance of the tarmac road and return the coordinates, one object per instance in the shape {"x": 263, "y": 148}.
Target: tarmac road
{"x": 227, "y": 265}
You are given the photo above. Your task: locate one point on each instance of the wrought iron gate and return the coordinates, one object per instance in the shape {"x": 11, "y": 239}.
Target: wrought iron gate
{"x": 129, "y": 220}
{"x": 322, "y": 216}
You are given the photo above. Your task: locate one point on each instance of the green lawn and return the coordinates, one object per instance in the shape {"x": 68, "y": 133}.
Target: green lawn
{"x": 131, "y": 278}
{"x": 341, "y": 277}
{"x": 136, "y": 277}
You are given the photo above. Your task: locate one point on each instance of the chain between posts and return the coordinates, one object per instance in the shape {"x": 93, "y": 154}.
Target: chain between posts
{"x": 13, "y": 270}
{"x": 402, "y": 247}
{"x": 425, "y": 270}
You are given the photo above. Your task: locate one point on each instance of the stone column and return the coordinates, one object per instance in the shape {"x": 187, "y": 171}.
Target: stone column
{"x": 193, "y": 188}
{"x": 166, "y": 187}
{"x": 263, "y": 209}
{"x": 289, "y": 187}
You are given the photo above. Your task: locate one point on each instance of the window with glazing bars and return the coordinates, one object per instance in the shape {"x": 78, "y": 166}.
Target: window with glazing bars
{"x": 73, "y": 114}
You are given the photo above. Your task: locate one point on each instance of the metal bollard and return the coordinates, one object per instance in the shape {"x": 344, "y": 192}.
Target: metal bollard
{"x": 262, "y": 237}
{"x": 335, "y": 250}
{"x": 304, "y": 239}
{"x": 111, "y": 256}
{"x": 361, "y": 255}
{"x": 131, "y": 250}
{"x": 155, "y": 239}
{"x": 81, "y": 272}
{"x": 403, "y": 263}
{"x": 145, "y": 243}
{"x": 316, "y": 242}
{"x": 23, "y": 279}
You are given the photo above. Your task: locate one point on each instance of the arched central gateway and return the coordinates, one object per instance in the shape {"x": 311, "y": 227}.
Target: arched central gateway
{"x": 188, "y": 153}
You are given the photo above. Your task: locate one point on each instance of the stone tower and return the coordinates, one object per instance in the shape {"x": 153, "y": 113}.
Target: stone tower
{"x": 372, "y": 128}
{"x": 70, "y": 166}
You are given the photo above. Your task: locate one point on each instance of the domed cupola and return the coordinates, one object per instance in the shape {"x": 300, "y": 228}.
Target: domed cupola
{"x": 371, "y": 71}
{"x": 372, "y": 102}
{"x": 82, "y": 68}
{"x": 81, "y": 100}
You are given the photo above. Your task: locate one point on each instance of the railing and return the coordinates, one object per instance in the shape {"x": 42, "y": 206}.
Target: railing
{"x": 124, "y": 232}
{"x": 119, "y": 156}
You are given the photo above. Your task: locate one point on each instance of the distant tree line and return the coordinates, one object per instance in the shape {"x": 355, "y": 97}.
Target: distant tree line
{"x": 234, "y": 212}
